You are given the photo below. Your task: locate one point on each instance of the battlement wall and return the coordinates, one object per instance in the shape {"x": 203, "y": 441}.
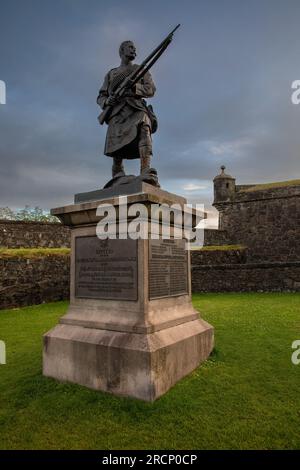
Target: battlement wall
{"x": 266, "y": 218}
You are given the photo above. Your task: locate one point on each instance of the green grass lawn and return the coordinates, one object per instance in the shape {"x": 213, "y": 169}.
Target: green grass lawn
{"x": 247, "y": 395}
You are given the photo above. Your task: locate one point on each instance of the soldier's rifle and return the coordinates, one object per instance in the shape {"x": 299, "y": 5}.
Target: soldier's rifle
{"x": 130, "y": 81}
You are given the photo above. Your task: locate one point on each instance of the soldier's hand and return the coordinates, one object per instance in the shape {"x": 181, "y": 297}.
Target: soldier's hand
{"x": 111, "y": 100}
{"x": 129, "y": 83}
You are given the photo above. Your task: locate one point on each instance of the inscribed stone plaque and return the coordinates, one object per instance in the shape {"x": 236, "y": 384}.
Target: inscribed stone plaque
{"x": 105, "y": 269}
{"x": 168, "y": 268}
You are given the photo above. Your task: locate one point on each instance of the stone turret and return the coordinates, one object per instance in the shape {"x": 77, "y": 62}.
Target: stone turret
{"x": 224, "y": 188}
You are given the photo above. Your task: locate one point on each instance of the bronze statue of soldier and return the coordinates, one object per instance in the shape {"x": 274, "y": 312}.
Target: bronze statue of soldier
{"x": 130, "y": 124}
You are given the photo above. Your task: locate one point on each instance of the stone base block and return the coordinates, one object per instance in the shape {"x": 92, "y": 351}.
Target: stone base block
{"x": 143, "y": 366}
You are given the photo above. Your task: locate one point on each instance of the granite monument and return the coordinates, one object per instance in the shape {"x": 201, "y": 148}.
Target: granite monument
{"x": 130, "y": 328}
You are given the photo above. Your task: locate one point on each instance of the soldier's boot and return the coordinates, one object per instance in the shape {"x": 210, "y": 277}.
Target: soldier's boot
{"x": 148, "y": 174}
{"x": 118, "y": 167}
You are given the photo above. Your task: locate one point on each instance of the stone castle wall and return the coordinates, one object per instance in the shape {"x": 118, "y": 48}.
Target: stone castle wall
{"x": 233, "y": 270}
{"x": 266, "y": 221}
{"x": 218, "y": 255}
{"x": 28, "y": 281}
{"x": 20, "y": 234}
{"x": 215, "y": 237}
{"x": 250, "y": 277}
{"x": 33, "y": 281}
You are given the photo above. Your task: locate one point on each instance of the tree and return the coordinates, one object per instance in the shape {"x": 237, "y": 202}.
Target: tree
{"x": 35, "y": 214}
{"x": 6, "y": 213}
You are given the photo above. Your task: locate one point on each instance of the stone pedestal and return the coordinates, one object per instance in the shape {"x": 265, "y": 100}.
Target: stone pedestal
{"x": 130, "y": 328}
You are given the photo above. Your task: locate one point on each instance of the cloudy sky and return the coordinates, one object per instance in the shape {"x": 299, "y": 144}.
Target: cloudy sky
{"x": 223, "y": 93}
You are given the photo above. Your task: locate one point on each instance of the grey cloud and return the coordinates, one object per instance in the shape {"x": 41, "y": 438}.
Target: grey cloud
{"x": 223, "y": 94}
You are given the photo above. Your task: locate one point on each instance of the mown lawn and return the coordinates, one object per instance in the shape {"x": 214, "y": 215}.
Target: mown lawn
{"x": 246, "y": 396}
